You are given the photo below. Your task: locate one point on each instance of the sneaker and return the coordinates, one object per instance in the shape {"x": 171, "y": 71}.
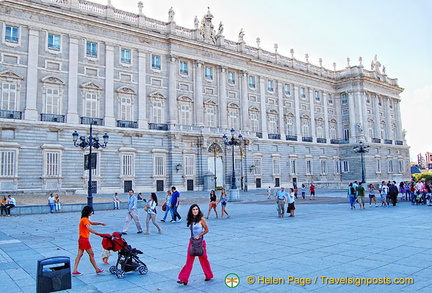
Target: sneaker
{"x": 100, "y": 271}
{"x": 124, "y": 233}
{"x": 139, "y": 232}
{"x": 76, "y": 274}
{"x": 163, "y": 221}
{"x": 172, "y": 221}
{"x": 107, "y": 263}
{"x": 179, "y": 220}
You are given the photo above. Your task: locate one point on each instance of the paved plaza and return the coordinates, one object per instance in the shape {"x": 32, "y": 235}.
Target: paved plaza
{"x": 325, "y": 244}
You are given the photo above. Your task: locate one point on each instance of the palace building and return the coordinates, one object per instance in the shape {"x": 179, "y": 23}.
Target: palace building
{"x": 167, "y": 94}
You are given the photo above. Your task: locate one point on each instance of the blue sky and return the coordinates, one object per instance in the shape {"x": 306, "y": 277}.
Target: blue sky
{"x": 398, "y": 32}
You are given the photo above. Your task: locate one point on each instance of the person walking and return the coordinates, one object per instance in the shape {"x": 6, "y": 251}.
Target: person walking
{"x": 212, "y": 204}
{"x": 303, "y": 191}
{"x": 132, "y": 214}
{"x": 352, "y": 194}
{"x": 269, "y": 192}
{"x": 175, "y": 201}
{"x": 393, "y": 193}
{"x": 291, "y": 201}
{"x": 84, "y": 230}
{"x": 372, "y": 197}
{"x": 361, "y": 193}
{"x": 281, "y": 199}
{"x": 151, "y": 213}
{"x": 51, "y": 204}
{"x": 168, "y": 206}
{"x": 116, "y": 201}
{"x": 57, "y": 203}
{"x": 224, "y": 200}
{"x": 199, "y": 228}
{"x": 312, "y": 191}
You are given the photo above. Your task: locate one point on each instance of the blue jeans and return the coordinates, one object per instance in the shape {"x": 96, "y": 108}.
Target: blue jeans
{"x": 52, "y": 207}
{"x": 175, "y": 213}
{"x": 352, "y": 199}
{"x": 168, "y": 210}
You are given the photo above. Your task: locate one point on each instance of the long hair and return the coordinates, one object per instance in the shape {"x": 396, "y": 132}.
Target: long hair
{"x": 190, "y": 216}
{"x": 154, "y": 197}
{"x": 86, "y": 211}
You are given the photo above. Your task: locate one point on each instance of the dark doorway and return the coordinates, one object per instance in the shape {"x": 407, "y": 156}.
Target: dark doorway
{"x": 190, "y": 185}
{"x": 277, "y": 182}
{"x": 258, "y": 183}
{"x": 127, "y": 185}
{"x": 159, "y": 185}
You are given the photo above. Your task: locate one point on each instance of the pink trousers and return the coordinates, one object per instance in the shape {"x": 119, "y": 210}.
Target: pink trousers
{"x": 187, "y": 269}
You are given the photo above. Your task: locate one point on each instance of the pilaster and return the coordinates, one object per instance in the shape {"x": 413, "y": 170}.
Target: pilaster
{"x": 72, "y": 109}
{"x": 142, "y": 91}
{"x": 109, "y": 118}
{"x": 30, "y": 111}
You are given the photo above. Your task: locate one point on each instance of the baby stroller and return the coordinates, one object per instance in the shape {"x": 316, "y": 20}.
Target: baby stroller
{"x": 127, "y": 259}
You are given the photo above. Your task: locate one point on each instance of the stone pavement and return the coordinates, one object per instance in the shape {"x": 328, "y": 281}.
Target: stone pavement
{"x": 323, "y": 242}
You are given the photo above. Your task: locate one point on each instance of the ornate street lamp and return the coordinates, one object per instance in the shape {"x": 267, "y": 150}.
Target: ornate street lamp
{"x": 361, "y": 148}
{"x": 233, "y": 142}
{"x": 215, "y": 148}
{"x": 90, "y": 162}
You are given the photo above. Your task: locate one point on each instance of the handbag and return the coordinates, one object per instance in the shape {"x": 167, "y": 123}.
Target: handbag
{"x": 196, "y": 247}
{"x": 164, "y": 207}
{"x": 146, "y": 208}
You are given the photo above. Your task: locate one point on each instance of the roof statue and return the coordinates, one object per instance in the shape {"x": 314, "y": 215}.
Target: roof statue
{"x": 196, "y": 22}
{"x": 171, "y": 15}
{"x": 220, "y": 30}
{"x": 375, "y": 65}
{"x": 241, "y": 35}
{"x": 207, "y": 31}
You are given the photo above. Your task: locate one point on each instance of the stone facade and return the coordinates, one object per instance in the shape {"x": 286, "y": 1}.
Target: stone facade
{"x": 167, "y": 94}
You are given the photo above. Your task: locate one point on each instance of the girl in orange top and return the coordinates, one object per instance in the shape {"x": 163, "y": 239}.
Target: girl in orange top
{"x": 83, "y": 241}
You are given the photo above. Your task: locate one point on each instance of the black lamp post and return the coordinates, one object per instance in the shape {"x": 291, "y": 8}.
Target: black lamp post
{"x": 361, "y": 148}
{"x": 215, "y": 148}
{"x": 91, "y": 142}
{"x": 233, "y": 142}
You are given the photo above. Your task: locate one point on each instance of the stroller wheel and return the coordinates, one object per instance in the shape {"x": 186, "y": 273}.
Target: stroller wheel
{"x": 143, "y": 269}
{"x": 120, "y": 273}
{"x": 113, "y": 269}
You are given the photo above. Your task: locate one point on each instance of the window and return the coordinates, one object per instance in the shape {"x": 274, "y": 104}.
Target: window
{"x": 127, "y": 165}
{"x": 92, "y": 50}
{"x": 270, "y": 85}
{"x": 189, "y": 169}
{"x": 333, "y": 126}
{"x": 337, "y": 166}
{"x": 309, "y": 167}
{"x": 346, "y": 134}
{"x": 276, "y": 166}
{"x": 251, "y": 81}
{"x": 52, "y": 101}
{"x": 52, "y": 164}
{"x": 323, "y": 167}
{"x": 185, "y": 114}
{"x": 378, "y": 166}
{"x": 330, "y": 99}
{"x": 183, "y": 67}
{"x": 9, "y": 96}
{"x": 344, "y": 99}
{"x": 54, "y": 42}
{"x": 11, "y": 34}
{"x": 287, "y": 89}
{"x": 302, "y": 93}
{"x": 156, "y": 62}
{"x": 231, "y": 77}
{"x": 91, "y": 105}
{"x": 317, "y": 96}
{"x": 126, "y": 108}
{"x": 305, "y": 127}
{"x": 210, "y": 117}
{"x": 390, "y": 166}
{"x": 159, "y": 165}
{"x": 272, "y": 126}
{"x": 157, "y": 110}
{"x": 257, "y": 166}
{"x": 125, "y": 56}
{"x": 208, "y": 72}
{"x": 233, "y": 118}
{"x": 253, "y": 117}
{"x": 401, "y": 166}
{"x": 320, "y": 128}
{"x": 345, "y": 166}
{"x": 290, "y": 125}
{"x": 293, "y": 167}
{"x": 7, "y": 163}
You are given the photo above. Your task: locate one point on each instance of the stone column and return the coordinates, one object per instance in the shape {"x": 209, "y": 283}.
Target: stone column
{"x": 377, "y": 125}
{"x": 364, "y": 114}
{"x": 386, "y": 105}
{"x": 281, "y": 110}
{"x": 397, "y": 115}
{"x": 351, "y": 111}
{"x": 172, "y": 93}
{"x": 339, "y": 129}
{"x": 30, "y": 111}
{"x": 72, "y": 116}
{"x": 222, "y": 104}
{"x": 326, "y": 117}
{"x": 244, "y": 107}
{"x": 198, "y": 88}
{"x": 263, "y": 101}
{"x": 312, "y": 113}
{"x": 297, "y": 112}
{"x": 109, "y": 86}
{"x": 142, "y": 91}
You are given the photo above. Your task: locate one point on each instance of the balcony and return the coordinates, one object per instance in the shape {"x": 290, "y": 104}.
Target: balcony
{"x": 10, "y": 114}
{"x": 398, "y": 142}
{"x": 127, "y": 124}
{"x": 274, "y": 136}
{"x": 52, "y": 118}
{"x": 388, "y": 141}
{"x": 92, "y": 121}
{"x": 376, "y": 140}
{"x": 321, "y": 140}
{"x": 338, "y": 141}
{"x": 307, "y": 139}
{"x": 291, "y": 137}
{"x": 259, "y": 134}
{"x": 158, "y": 126}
